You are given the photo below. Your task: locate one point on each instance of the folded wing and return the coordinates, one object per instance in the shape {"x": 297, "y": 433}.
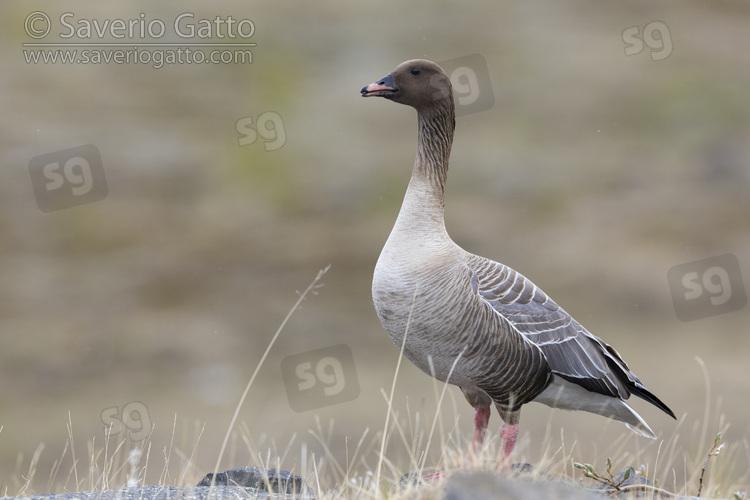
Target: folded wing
{"x": 572, "y": 352}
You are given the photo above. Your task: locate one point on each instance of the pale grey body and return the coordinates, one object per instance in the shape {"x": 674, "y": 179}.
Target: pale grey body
{"x": 501, "y": 339}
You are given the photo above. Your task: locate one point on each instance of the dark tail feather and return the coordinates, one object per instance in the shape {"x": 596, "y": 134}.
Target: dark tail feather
{"x": 644, "y": 393}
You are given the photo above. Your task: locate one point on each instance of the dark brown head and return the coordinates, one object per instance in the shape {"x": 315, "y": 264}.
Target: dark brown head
{"x": 418, "y": 83}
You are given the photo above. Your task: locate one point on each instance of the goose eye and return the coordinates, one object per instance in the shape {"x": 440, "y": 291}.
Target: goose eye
{"x": 415, "y": 71}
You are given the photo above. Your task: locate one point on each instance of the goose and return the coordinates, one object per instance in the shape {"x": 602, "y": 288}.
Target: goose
{"x": 470, "y": 321}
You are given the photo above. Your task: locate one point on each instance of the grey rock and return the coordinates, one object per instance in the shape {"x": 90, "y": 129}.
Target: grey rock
{"x": 417, "y": 479}
{"x": 242, "y": 483}
{"x": 487, "y": 486}
{"x": 280, "y": 481}
{"x": 163, "y": 493}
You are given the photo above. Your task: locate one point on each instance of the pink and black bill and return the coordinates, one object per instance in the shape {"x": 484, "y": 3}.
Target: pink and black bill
{"x": 385, "y": 87}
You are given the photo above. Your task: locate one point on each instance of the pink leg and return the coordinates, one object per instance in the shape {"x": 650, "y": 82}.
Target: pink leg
{"x": 508, "y": 434}
{"x": 434, "y": 476}
{"x": 481, "y": 420}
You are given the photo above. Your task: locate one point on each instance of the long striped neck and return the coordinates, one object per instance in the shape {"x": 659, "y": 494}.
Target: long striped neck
{"x": 424, "y": 203}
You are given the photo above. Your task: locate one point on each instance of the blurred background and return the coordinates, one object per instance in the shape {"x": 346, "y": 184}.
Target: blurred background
{"x": 612, "y": 147}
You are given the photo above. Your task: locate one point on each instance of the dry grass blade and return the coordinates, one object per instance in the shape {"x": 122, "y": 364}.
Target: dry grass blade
{"x": 715, "y": 450}
{"x": 393, "y": 390}
{"x": 310, "y": 288}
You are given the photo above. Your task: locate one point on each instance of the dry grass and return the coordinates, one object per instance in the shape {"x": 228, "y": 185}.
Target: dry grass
{"x": 369, "y": 470}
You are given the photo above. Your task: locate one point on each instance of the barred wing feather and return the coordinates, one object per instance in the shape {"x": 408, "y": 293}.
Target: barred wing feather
{"x": 571, "y": 351}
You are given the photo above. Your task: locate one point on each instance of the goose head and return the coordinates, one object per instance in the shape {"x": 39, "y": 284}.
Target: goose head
{"x": 417, "y": 83}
